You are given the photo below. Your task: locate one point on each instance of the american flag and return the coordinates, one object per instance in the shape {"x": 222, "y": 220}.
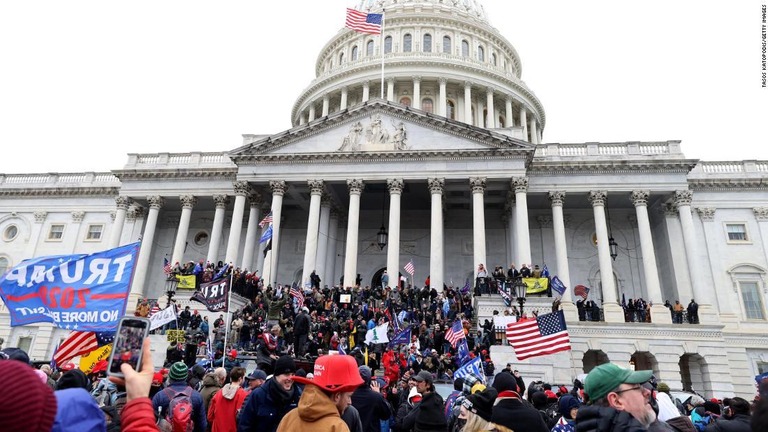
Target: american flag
{"x": 409, "y": 268}
{"x": 581, "y": 290}
{"x": 296, "y": 293}
{"x": 79, "y": 343}
{"x": 363, "y": 22}
{"x": 155, "y": 309}
{"x": 266, "y": 221}
{"x": 167, "y": 266}
{"x": 455, "y": 333}
{"x": 547, "y": 334}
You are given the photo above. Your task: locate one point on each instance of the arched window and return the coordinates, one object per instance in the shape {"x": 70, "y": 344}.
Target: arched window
{"x": 464, "y": 48}
{"x": 341, "y": 58}
{"x": 369, "y": 48}
{"x": 407, "y": 42}
{"x": 446, "y": 44}
{"x": 493, "y": 59}
{"x": 387, "y": 44}
{"x": 427, "y": 105}
{"x": 405, "y": 101}
{"x": 480, "y": 54}
{"x": 427, "y": 43}
{"x": 450, "y": 110}
{"x": 354, "y": 53}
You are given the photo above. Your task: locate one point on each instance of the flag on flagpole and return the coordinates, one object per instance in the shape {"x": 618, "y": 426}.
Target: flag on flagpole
{"x": 463, "y": 351}
{"x": 79, "y": 343}
{"x": 465, "y": 289}
{"x": 545, "y": 271}
{"x": 547, "y": 334}
{"x": 267, "y": 248}
{"x": 155, "y": 309}
{"x": 220, "y": 274}
{"x": 377, "y": 334}
{"x": 362, "y": 22}
{"x": 557, "y": 285}
{"x": 267, "y": 235}
{"x": 455, "y": 333}
{"x": 503, "y": 293}
{"x": 266, "y": 221}
{"x": 402, "y": 337}
{"x": 409, "y": 268}
{"x": 167, "y": 266}
{"x": 581, "y": 291}
{"x": 296, "y": 293}
{"x": 472, "y": 367}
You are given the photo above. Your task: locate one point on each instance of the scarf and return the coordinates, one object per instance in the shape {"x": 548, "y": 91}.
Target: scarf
{"x": 280, "y": 396}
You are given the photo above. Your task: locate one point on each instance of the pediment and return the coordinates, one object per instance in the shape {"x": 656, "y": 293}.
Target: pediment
{"x": 380, "y": 127}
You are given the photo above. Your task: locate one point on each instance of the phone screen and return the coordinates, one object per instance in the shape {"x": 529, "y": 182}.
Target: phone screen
{"x": 128, "y": 342}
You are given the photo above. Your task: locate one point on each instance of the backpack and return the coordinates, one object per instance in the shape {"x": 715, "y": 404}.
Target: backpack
{"x": 179, "y": 414}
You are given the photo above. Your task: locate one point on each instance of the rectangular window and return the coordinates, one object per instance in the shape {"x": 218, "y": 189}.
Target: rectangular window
{"x": 94, "y": 232}
{"x": 736, "y": 232}
{"x": 56, "y": 232}
{"x": 25, "y": 343}
{"x": 753, "y": 302}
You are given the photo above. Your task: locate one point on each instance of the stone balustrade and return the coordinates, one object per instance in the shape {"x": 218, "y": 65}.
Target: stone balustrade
{"x": 177, "y": 160}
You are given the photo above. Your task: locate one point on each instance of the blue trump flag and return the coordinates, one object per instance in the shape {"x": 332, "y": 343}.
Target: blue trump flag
{"x": 74, "y": 292}
{"x": 472, "y": 367}
{"x": 403, "y": 337}
{"x": 557, "y": 285}
{"x": 462, "y": 351}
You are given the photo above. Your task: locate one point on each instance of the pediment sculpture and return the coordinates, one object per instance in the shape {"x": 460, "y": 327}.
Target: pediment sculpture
{"x": 375, "y": 136}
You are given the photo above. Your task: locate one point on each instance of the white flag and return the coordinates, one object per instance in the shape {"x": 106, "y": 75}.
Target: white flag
{"x": 163, "y": 317}
{"x": 377, "y": 334}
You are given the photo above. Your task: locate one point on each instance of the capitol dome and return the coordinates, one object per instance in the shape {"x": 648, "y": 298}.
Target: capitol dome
{"x": 440, "y": 56}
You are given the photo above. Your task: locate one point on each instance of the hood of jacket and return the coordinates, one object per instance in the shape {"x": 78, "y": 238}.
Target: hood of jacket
{"x": 315, "y": 405}
{"x": 77, "y": 411}
{"x": 209, "y": 380}
{"x": 229, "y": 391}
{"x": 198, "y": 371}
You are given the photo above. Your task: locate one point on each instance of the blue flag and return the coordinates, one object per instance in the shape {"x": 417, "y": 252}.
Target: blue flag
{"x": 220, "y": 274}
{"x": 503, "y": 293}
{"x": 403, "y": 337}
{"x": 545, "y": 271}
{"x": 463, "y": 351}
{"x": 267, "y": 235}
{"x": 472, "y": 367}
{"x": 465, "y": 289}
{"x": 74, "y": 292}
{"x": 557, "y": 285}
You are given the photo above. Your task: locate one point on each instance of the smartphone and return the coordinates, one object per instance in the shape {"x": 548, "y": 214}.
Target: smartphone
{"x": 127, "y": 347}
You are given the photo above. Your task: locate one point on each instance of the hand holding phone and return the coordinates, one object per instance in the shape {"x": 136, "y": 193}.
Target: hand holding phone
{"x": 137, "y": 384}
{"x": 128, "y": 345}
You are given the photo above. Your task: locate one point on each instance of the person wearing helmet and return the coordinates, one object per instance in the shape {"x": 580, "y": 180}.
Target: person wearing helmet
{"x": 325, "y": 396}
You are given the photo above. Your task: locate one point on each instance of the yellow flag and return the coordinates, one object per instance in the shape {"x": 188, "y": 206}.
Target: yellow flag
{"x": 536, "y": 285}
{"x": 88, "y": 361}
{"x": 186, "y": 282}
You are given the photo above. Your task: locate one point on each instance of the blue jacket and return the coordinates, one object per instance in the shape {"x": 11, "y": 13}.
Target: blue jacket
{"x": 161, "y": 400}
{"x": 261, "y": 413}
{"x": 77, "y": 411}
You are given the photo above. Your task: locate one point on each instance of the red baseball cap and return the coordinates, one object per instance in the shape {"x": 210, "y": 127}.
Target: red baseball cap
{"x": 334, "y": 373}
{"x": 233, "y": 354}
{"x": 100, "y": 366}
{"x": 68, "y": 366}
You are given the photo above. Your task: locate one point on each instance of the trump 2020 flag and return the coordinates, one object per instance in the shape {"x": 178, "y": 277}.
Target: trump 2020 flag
{"x": 547, "y": 334}
{"x": 557, "y": 285}
{"x": 402, "y": 337}
{"x": 213, "y": 295}
{"x": 75, "y": 292}
{"x": 472, "y": 367}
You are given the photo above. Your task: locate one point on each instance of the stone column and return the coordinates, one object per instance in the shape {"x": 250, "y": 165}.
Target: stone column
{"x": 350, "y": 257}
{"x": 134, "y": 220}
{"x": 302, "y": 119}
{"x": 311, "y": 111}
{"x": 520, "y": 186}
{"x": 477, "y": 185}
{"x": 326, "y": 105}
{"x": 366, "y": 91}
{"x": 761, "y": 214}
{"x": 511, "y": 227}
{"x": 395, "y": 187}
{"x": 252, "y": 232}
{"x": 278, "y": 188}
{"x": 221, "y": 202}
{"x": 443, "y": 97}
{"x": 524, "y": 123}
{"x": 242, "y": 189}
{"x": 701, "y": 289}
{"x": 391, "y": 90}
{"x": 316, "y": 189}
{"x": 322, "y": 236}
{"x": 534, "y": 134}
{"x": 261, "y": 246}
{"x": 489, "y": 105}
{"x": 77, "y": 219}
{"x": 508, "y": 114}
{"x": 138, "y": 288}
{"x": 40, "y": 216}
{"x": 343, "y": 101}
{"x": 674, "y": 236}
{"x": 557, "y": 199}
{"x": 612, "y": 310}
{"x": 722, "y": 299}
{"x": 436, "y": 256}
{"x": 117, "y": 227}
{"x": 416, "y": 97}
{"x": 333, "y": 241}
{"x": 468, "y": 102}
{"x": 659, "y": 313}
{"x": 187, "y": 203}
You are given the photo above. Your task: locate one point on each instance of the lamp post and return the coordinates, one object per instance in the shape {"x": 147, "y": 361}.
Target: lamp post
{"x": 381, "y": 237}
{"x": 521, "y": 289}
{"x": 171, "y": 283}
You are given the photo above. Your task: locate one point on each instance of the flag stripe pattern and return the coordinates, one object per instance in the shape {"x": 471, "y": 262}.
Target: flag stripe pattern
{"x": 363, "y": 22}
{"x": 409, "y": 268}
{"x": 266, "y": 221}
{"x": 298, "y": 295}
{"x": 547, "y": 334}
{"x": 77, "y": 343}
{"x": 581, "y": 291}
{"x": 455, "y": 333}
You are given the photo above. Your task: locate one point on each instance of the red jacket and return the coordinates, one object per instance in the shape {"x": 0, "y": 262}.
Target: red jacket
{"x": 138, "y": 416}
{"x": 222, "y": 413}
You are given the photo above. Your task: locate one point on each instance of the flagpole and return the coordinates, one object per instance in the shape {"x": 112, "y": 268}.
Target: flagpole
{"x": 381, "y": 42}
{"x": 229, "y": 298}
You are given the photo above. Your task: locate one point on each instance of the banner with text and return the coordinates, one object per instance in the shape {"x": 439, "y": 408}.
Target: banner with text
{"x": 163, "y": 317}
{"x": 75, "y": 292}
{"x": 213, "y": 295}
{"x": 88, "y": 361}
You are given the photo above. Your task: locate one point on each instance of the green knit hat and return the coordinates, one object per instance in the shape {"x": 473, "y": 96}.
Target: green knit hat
{"x": 663, "y": 387}
{"x": 178, "y": 372}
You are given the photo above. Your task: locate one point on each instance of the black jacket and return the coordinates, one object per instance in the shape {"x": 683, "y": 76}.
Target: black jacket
{"x": 603, "y": 419}
{"x": 372, "y": 408}
{"x": 301, "y": 324}
{"x": 739, "y": 423}
{"x": 522, "y": 417}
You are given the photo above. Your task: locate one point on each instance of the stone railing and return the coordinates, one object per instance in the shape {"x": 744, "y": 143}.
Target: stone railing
{"x": 671, "y": 148}
{"x": 178, "y": 160}
{"x": 59, "y": 179}
{"x": 731, "y": 167}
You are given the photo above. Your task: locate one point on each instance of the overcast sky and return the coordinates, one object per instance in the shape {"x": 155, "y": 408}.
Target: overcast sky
{"x": 83, "y": 83}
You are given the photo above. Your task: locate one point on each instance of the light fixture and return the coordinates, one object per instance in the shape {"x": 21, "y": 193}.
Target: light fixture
{"x": 521, "y": 289}
{"x": 382, "y": 236}
{"x": 612, "y": 245}
{"x": 171, "y": 283}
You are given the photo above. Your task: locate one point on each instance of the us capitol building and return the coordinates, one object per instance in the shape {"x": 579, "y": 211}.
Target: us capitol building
{"x": 453, "y": 166}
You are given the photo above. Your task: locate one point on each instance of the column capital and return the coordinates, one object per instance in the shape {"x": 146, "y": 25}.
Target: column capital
{"x": 278, "y": 187}
{"x": 134, "y": 211}
{"x": 355, "y": 186}
{"x": 416, "y": 78}
{"x": 597, "y": 198}
{"x": 188, "y": 201}
{"x": 242, "y": 188}
{"x": 442, "y": 81}
{"x": 761, "y": 213}
{"x": 156, "y": 202}
{"x": 78, "y": 216}
{"x": 683, "y": 197}
{"x": 366, "y": 84}
{"x": 556, "y": 198}
{"x": 490, "y": 90}
{"x": 390, "y": 80}
{"x": 640, "y": 197}
{"x": 122, "y": 202}
{"x": 520, "y": 184}
{"x": 395, "y": 186}
{"x": 316, "y": 187}
{"x": 255, "y": 199}
{"x": 326, "y": 98}
{"x": 669, "y": 209}
{"x": 477, "y": 184}
{"x": 706, "y": 213}
{"x": 436, "y": 185}
{"x": 325, "y": 200}
{"x": 221, "y": 201}
{"x": 468, "y": 84}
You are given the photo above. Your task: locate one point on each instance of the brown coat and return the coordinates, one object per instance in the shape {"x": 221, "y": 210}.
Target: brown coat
{"x": 315, "y": 412}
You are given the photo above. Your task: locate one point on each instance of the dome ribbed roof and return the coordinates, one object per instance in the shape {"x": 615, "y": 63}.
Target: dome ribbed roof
{"x": 469, "y": 7}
